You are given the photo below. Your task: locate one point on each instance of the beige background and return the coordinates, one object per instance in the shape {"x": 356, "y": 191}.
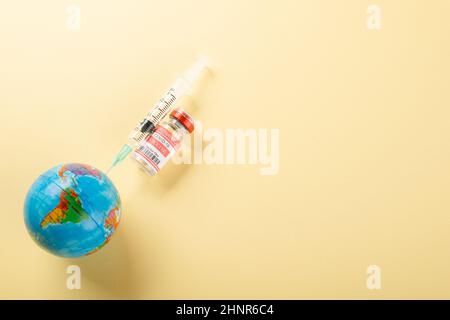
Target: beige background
{"x": 364, "y": 135}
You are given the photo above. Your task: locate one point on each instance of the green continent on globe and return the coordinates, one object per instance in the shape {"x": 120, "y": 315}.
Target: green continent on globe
{"x": 69, "y": 209}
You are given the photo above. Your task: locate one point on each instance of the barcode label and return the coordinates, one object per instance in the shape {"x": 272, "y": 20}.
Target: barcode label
{"x": 149, "y": 153}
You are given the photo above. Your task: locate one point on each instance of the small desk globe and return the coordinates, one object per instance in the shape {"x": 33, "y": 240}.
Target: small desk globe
{"x": 72, "y": 210}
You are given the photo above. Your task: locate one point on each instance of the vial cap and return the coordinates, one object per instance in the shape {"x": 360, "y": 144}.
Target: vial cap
{"x": 184, "y": 118}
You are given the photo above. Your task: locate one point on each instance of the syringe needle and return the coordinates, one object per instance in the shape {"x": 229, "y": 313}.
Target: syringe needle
{"x": 109, "y": 169}
{"x": 123, "y": 153}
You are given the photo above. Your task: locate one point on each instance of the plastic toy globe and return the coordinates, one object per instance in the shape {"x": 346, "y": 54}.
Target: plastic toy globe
{"x": 72, "y": 210}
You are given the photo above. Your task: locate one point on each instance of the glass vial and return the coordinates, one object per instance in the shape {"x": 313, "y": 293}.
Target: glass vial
{"x": 154, "y": 152}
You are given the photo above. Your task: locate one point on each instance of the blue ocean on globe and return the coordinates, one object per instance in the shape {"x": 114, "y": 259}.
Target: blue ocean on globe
{"x": 72, "y": 210}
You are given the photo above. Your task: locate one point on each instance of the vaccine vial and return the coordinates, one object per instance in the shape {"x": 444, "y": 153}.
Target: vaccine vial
{"x": 154, "y": 152}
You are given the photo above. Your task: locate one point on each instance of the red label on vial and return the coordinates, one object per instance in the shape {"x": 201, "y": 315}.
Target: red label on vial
{"x": 157, "y": 149}
{"x": 159, "y": 146}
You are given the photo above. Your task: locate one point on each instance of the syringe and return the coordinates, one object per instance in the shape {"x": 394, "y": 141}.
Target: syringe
{"x": 182, "y": 86}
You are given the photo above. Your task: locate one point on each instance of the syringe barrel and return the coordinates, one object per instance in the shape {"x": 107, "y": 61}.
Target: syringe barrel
{"x": 160, "y": 110}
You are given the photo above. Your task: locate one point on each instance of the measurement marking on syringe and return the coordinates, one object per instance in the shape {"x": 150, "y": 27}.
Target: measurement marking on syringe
{"x": 180, "y": 88}
{"x": 166, "y": 105}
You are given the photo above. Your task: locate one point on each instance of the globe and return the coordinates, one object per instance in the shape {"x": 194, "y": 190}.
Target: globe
{"x": 72, "y": 210}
